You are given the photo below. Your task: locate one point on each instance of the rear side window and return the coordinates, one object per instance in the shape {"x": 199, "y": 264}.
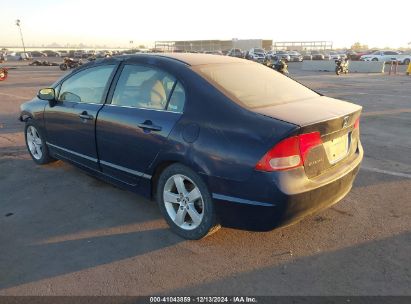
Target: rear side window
{"x": 177, "y": 100}
{"x": 254, "y": 85}
{"x": 149, "y": 88}
{"x": 86, "y": 86}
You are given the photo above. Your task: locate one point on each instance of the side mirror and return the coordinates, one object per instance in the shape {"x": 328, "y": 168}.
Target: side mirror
{"x": 48, "y": 94}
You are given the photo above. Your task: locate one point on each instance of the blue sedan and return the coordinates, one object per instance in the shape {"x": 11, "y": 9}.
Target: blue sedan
{"x": 215, "y": 140}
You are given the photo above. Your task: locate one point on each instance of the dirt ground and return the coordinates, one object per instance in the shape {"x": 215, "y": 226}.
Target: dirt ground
{"x": 63, "y": 232}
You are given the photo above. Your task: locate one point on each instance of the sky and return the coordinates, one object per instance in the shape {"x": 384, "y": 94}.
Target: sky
{"x": 117, "y": 22}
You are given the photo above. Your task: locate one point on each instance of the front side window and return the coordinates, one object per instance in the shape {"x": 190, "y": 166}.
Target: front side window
{"x": 86, "y": 86}
{"x": 149, "y": 88}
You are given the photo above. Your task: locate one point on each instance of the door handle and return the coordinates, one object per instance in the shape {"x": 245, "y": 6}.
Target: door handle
{"x": 84, "y": 115}
{"x": 149, "y": 126}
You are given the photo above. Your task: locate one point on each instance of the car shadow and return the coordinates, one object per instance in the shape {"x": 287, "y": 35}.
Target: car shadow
{"x": 378, "y": 268}
{"x": 28, "y": 263}
{"x": 55, "y": 219}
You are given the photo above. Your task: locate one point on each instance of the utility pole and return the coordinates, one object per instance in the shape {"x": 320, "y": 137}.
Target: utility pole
{"x": 21, "y": 34}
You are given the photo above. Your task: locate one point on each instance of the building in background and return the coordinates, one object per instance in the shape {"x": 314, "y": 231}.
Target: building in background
{"x": 211, "y": 45}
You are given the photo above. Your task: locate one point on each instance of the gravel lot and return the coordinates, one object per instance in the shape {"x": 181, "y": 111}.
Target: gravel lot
{"x": 63, "y": 232}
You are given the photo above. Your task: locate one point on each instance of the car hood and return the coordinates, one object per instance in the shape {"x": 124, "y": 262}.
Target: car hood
{"x": 309, "y": 111}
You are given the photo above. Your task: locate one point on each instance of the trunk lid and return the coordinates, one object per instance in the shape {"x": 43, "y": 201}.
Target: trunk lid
{"x": 333, "y": 119}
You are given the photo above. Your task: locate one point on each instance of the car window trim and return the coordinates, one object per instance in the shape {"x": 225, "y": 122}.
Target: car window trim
{"x": 145, "y": 109}
{"x": 171, "y": 93}
{"x": 106, "y": 88}
{"x": 110, "y": 94}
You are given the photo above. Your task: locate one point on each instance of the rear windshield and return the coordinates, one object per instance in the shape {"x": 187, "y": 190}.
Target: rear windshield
{"x": 254, "y": 85}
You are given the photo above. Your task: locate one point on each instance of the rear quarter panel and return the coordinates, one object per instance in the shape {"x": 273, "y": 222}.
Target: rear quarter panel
{"x": 228, "y": 139}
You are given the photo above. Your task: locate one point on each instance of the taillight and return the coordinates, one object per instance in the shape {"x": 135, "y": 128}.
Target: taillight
{"x": 357, "y": 123}
{"x": 309, "y": 141}
{"x": 289, "y": 153}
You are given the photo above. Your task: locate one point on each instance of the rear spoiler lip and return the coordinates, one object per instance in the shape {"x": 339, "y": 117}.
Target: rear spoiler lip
{"x": 307, "y": 112}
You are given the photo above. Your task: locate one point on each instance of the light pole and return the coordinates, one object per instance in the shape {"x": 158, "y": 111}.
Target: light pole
{"x": 21, "y": 34}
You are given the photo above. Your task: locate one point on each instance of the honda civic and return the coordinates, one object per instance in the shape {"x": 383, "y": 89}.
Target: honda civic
{"x": 215, "y": 140}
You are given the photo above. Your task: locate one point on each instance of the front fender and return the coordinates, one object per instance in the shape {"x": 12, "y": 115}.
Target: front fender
{"x": 34, "y": 110}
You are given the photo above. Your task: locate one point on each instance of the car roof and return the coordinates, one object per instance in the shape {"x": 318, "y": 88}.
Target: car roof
{"x": 191, "y": 59}
{"x": 200, "y": 59}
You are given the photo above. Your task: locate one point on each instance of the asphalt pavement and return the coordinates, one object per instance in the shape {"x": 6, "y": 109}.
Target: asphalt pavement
{"x": 63, "y": 232}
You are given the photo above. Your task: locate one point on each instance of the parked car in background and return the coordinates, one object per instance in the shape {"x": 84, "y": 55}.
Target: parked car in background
{"x": 235, "y": 53}
{"x": 20, "y": 56}
{"x": 256, "y": 54}
{"x": 404, "y": 58}
{"x": 386, "y": 56}
{"x": 103, "y": 54}
{"x": 283, "y": 55}
{"x": 352, "y": 55}
{"x": 343, "y": 55}
{"x": 37, "y": 54}
{"x": 334, "y": 55}
{"x": 79, "y": 54}
{"x": 307, "y": 55}
{"x": 317, "y": 55}
{"x": 3, "y": 56}
{"x": 269, "y": 55}
{"x": 295, "y": 56}
{"x": 50, "y": 53}
{"x": 262, "y": 151}
{"x": 327, "y": 56}
{"x": 217, "y": 53}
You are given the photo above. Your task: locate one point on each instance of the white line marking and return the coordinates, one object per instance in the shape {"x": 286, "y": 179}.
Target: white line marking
{"x": 16, "y": 96}
{"x": 386, "y": 172}
{"x": 378, "y": 94}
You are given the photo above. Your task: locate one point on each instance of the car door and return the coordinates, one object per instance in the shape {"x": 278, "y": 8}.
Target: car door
{"x": 378, "y": 55}
{"x": 388, "y": 56}
{"x": 70, "y": 123}
{"x": 133, "y": 127}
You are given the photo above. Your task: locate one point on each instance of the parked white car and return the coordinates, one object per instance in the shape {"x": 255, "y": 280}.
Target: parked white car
{"x": 386, "y": 56}
{"x": 256, "y": 54}
{"x": 404, "y": 59}
{"x": 334, "y": 56}
{"x": 19, "y": 56}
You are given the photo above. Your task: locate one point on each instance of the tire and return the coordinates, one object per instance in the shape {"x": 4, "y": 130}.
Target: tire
{"x": 3, "y": 74}
{"x": 63, "y": 66}
{"x": 191, "y": 219}
{"x": 407, "y": 61}
{"x": 36, "y": 144}
{"x": 374, "y": 59}
{"x": 337, "y": 71}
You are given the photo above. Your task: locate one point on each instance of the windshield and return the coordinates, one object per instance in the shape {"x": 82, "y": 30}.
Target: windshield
{"x": 254, "y": 85}
{"x": 259, "y": 51}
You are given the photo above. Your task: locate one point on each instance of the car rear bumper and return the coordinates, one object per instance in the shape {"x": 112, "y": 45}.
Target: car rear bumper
{"x": 291, "y": 199}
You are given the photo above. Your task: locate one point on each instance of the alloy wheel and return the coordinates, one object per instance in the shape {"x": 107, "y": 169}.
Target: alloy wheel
{"x": 34, "y": 142}
{"x": 183, "y": 202}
